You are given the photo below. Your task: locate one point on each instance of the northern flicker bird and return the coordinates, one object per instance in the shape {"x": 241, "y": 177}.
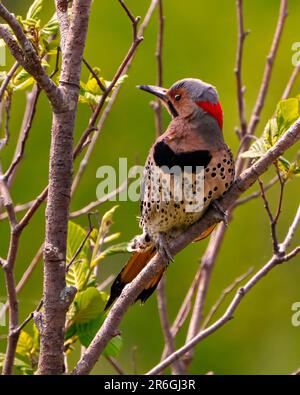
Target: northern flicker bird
{"x": 193, "y": 140}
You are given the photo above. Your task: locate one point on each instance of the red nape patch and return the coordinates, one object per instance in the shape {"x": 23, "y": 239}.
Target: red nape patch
{"x": 214, "y": 110}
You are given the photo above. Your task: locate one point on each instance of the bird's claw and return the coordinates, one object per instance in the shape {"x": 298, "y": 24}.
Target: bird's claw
{"x": 163, "y": 249}
{"x": 220, "y": 211}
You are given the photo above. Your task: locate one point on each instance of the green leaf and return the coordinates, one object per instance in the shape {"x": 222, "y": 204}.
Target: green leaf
{"x": 21, "y": 366}
{"x": 78, "y": 271}
{"x": 51, "y": 28}
{"x": 87, "y": 331}
{"x": 76, "y": 235}
{"x": 93, "y": 87}
{"x": 70, "y": 331}
{"x": 297, "y": 171}
{"x": 112, "y": 250}
{"x": 287, "y": 113}
{"x": 26, "y": 84}
{"x": 51, "y": 47}
{"x": 256, "y": 150}
{"x": 22, "y": 80}
{"x": 284, "y": 165}
{"x": 270, "y": 133}
{"x": 112, "y": 237}
{"x": 77, "y": 274}
{"x": 87, "y": 305}
{"x": 17, "y": 362}
{"x": 35, "y": 9}
{"x": 22, "y": 76}
{"x": 25, "y": 345}
{"x": 106, "y": 222}
{"x": 113, "y": 347}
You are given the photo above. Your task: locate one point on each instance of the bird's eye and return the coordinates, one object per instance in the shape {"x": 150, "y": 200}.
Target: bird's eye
{"x": 177, "y": 97}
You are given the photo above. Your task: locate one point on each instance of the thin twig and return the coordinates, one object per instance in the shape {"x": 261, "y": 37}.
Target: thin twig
{"x": 255, "y": 117}
{"x": 24, "y": 136}
{"x": 91, "y": 206}
{"x": 105, "y": 283}
{"x": 169, "y": 339}
{"x": 291, "y": 82}
{"x": 242, "y": 34}
{"x": 223, "y": 295}
{"x": 255, "y": 194}
{"x": 115, "y": 365}
{"x": 134, "y": 20}
{"x": 7, "y": 80}
{"x": 287, "y": 241}
{"x": 5, "y": 140}
{"x": 273, "y": 219}
{"x": 18, "y": 208}
{"x": 91, "y": 70}
{"x": 10, "y": 278}
{"x": 77, "y": 252}
{"x": 228, "y": 315}
{"x": 56, "y": 67}
{"x": 159, "y": 54}
{"x": 183, "y": 312}
{"x": 207, "y": 265}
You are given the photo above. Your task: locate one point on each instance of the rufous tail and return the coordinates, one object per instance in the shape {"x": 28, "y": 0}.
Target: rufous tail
{"x": 133, "y": 267}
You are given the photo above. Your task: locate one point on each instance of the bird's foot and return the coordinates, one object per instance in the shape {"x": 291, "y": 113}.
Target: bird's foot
{"x": 163, "y": 248}
{"x": 216, "y": 205}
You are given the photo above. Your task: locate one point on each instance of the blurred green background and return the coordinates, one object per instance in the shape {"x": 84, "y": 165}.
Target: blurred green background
{"x": 200, "y": 41}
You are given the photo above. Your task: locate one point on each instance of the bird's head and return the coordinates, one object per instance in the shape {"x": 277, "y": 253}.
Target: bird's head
{"x": 187, "y": 97}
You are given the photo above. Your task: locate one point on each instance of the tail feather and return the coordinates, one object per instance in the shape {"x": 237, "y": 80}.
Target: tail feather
{"x": 205, "y": 234}
{"x": 132, "y": 268}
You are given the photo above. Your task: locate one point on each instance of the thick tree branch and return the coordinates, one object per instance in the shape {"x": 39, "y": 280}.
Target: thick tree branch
{"x": 132, "y": 290}
{"x": 57, "y": 212}
{"x": 63, "y": 20}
